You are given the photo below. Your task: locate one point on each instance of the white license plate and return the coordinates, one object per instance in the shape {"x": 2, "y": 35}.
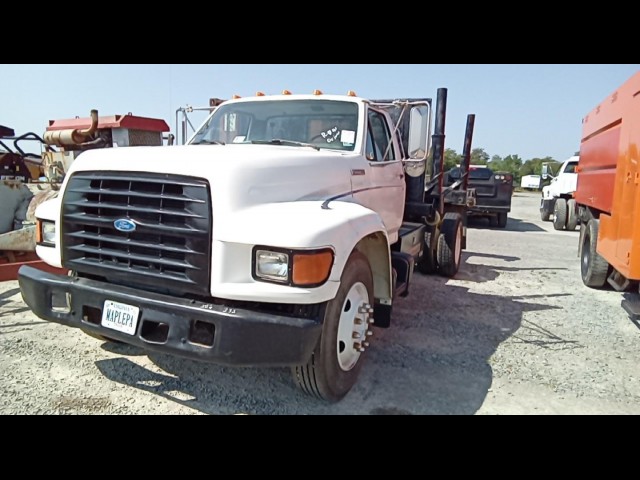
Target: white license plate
{"x": 120, "y": 317}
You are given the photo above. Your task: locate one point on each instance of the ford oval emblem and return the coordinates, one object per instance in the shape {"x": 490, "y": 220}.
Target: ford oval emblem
{"x": 124, "y": 225}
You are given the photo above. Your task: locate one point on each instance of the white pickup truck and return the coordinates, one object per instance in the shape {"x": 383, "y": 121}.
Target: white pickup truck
{"x": 278, "y": 236}
{"x": 557, "y": 197}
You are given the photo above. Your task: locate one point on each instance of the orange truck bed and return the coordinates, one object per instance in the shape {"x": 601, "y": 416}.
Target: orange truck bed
{"x": 609, "y": 175}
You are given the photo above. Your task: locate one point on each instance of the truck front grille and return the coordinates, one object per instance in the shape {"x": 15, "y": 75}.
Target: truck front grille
{"x": 170, "y": 248}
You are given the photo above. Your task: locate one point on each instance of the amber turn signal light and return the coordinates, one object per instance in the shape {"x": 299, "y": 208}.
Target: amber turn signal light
{"x": 311, "y": 269}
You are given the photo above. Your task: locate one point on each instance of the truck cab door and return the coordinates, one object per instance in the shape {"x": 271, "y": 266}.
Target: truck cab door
{"x": 377, "y": 178}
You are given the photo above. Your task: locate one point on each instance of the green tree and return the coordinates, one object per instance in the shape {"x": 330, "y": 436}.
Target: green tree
{"x": 479, "y": 157}
{"x": 510, "y": 164}
{"x": 533, "y": 166}
{"x": 451, "y": 159}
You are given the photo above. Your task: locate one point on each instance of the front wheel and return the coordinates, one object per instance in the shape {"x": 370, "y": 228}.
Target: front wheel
{"x": 544, "y": 215}
{"x": 335, "y": 363}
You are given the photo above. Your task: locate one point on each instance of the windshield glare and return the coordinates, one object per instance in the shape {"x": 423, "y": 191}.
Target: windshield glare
{"x": 322, "y": 123}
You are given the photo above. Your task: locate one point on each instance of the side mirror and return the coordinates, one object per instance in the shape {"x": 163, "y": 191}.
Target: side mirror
{"x": 545, "y": 171}
{"x": 418, "y": 133}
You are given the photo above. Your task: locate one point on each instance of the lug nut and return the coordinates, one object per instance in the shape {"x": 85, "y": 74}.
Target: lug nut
{"x": 356, "y": 335}
{"x": 366, "y": 308}
{"x": 361, "y": 350}
{"x": 357, "y": 345}
{"x": 370, "y": 321}
{"x": 358, "y": 321}
{"x": 366, "y": 344}
{"x": 369, "y": 333}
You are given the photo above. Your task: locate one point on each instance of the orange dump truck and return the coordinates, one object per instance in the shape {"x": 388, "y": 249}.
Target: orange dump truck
{"x": 608, "y": 193}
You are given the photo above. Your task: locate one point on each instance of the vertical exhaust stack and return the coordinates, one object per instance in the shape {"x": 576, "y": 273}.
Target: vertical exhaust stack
{"x": 438, "y": 145}
{"x": 80, "y": 136}
{"x": 466, "y": 151}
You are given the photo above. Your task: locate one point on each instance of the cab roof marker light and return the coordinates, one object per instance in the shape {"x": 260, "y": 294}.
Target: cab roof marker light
{"x": 317, "y": 92}
{"x": 351, "y": 93}
{"x": 259, "y": 94}
{"x": 235, "y": 97}
{"x": 286, "y": 92}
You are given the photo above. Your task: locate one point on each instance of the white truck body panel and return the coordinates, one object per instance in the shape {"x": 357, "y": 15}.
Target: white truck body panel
{"x": 530, "y": 181}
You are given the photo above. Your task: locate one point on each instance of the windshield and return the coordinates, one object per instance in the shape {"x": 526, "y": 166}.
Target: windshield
{"x": 319, "y": 123}
{"x": 571, "y": 167}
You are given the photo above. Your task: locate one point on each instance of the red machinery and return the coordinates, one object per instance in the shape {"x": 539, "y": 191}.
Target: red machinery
{"x": 26, "y": 182}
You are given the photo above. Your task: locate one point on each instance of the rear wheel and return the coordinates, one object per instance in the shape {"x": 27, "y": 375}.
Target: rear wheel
{"x": 502, "y": 219}
{"x": 593, "y": 267}
{"x": 335, "y": 363}
{"x": 572, "y": 215}
{"x": 493, "y": 221}
{"x": 449, "y": 249}
{"x": 560, "y": 214}
{"x": 428, "y": 262}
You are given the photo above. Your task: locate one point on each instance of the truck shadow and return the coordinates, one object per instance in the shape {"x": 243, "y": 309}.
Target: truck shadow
{"x": 436, "y": 359}
{"x": 6, "y": 300}
{"x": 513, "y": 225}
{"x": 5, "y": 297}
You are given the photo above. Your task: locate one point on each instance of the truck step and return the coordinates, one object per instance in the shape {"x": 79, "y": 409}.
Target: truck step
{"x": 402, "y": 264}
{"x": 618, "y": 281}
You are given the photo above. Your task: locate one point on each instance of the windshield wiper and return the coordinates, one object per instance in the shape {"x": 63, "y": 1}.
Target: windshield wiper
{"x": 286, "y": 143}
{"x": 208, "y": 142}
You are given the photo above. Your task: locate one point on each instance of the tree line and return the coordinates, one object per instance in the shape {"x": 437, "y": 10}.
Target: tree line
{"x": 513, "y": 164}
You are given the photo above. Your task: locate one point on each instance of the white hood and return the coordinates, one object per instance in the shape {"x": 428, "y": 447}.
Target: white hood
{"x": 240, "y": 175}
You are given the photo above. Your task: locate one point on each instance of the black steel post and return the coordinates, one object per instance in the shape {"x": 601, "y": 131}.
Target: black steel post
{"x": 438, "y": 145}
{"x": 466, "y": 150}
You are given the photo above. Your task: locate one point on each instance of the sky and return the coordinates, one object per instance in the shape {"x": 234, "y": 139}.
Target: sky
{"x": 532, "y": 110}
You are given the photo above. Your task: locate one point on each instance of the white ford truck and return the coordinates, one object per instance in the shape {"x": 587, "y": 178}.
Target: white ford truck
{"x": 557, "y": 197}
{"x": 280, "y": 235}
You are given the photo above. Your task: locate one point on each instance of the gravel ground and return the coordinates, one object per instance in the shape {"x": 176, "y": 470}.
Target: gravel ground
{"x": 514, "y": 333}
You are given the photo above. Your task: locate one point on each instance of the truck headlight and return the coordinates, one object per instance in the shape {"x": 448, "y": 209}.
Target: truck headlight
{"x": 45, "y": 233}
{"x": 304, "y": 268}
{"x": 272, "y": 266}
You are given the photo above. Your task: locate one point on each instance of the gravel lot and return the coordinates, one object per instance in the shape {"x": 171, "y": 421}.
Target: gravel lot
{"x": 514, "y": 333}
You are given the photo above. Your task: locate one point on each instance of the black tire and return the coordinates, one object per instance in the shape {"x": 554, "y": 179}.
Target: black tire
{"x": 427, "y": 263}
{"x": 572, "y": 215}
{"x": 593, "y": 268}
{"x": 322, "y": 376}
{"x": 449, "y": 249}
{"x": 545, "y": 215}
{"x": 493, "y": 221}
{"x": 502, "y": 220}
{"x": 560, "y": 214}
